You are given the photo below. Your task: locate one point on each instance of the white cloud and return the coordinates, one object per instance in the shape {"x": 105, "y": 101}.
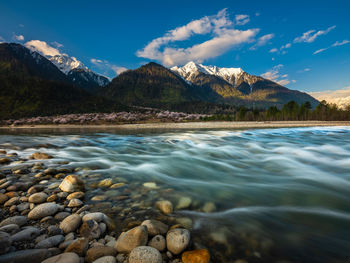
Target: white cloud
{"x": 2, "y": 39}
{"x": 337, "y": 44}
{"x": 42, "y": 47}
{"x": 288, "y": 45}
{"x": 262, "y": 41}
{"x": 224, "y": 37}
{"x": 311, "y": 35}
{"x": 273, "y": 50}
{"x": 274, "y": 75}
{"x": 242, "y": 20}
{"x": 18, "y": 37}
{"x": 107, "y": 67}
{"x": 56, "y": 44}
{"x": 340, "y": 97}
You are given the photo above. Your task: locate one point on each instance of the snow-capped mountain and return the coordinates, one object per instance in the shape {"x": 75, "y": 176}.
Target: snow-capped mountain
{"x": 73, "y": 68}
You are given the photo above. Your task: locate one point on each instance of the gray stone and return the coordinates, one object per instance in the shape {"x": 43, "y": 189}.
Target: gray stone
{"x": 43, "y": 210}
{"x": 90, "y": 229}
{"x": 70, "y": 223}
{"x": 18, "y": 220}
{"x": 106, "y": 259}
{"x": 5, "y": 242}
{"x": 63, "y": 258}
{"x": 54, "y": 230}
{"x": 27, "y": 234}
{"x": 61, "y": 215}
{"x": 155, "y": 227}
{"x": 50, "y": 242}
{"x": 144, "y": 254}
{"x": 158, "y": 242}
{"x": 28, "y": 255}
{"x": 177, "y": 240}
{"x": 23, "y": 206}
{"x": 11, "y": 228}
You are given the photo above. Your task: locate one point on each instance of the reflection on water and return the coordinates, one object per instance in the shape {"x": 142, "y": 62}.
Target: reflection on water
{"x": 263, "y": 195}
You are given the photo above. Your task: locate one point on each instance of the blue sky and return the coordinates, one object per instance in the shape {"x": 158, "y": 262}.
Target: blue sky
{"x": 301, "y": 44}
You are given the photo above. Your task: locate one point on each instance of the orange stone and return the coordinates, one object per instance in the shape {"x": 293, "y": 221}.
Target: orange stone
{"x": 196, "y": 256}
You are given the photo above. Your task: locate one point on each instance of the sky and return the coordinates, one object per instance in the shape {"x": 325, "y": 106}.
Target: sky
{"x": 303, "y": 45}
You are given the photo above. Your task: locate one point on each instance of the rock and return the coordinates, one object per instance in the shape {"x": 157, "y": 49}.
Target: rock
{"x": 43, "y": 210}
{"x": 18, "y": 220}
{"x": 54, "y": 230}
{"x": 185, "y": 222}
{"x": 165, "y": 206}
{"x": 27, "y": 234}
{"x": 150, "y": 185}
{"x": 76, "y": 195}
{"x": 5, "y": 242}
{"x": 106, "y": 259}
{"x": 50, "y": 242}
{"x": 72, "y": 183}
{"x": 4, "y": 160}
{"x": 209, "y": 207}
{"x": 90, "y": 229}
{"x": 97, "y": 216}
{"x": 11, "y": 228}
{"x": 144, "y": 254}
{"x": 38, "y": 198}
{"x": 23, "y": 206}
{"x": 105, "y": 183}
{"x": 35, "y": 189}
{"x": 28, "y": 255}
{"x": 12, "y": 201}
{"x": 3, "y": 198}
{"x": 158, "y": 242}
{"x": 135, "y": 237}
{"x": 75, "y": 203}
{"x": 40, "y": 156}
{"x": 63, "y": 258}
{"x": 70, "y": 223}
{"x": 78, "y": 246}
{"x": 184, "y": 202}
{"x": 99, "y": 198}
{"x": 177, "y": 240}
{"x": 97, "y": 252}
{"x": 155, "y": 227}
{"x": 61, "y": 215}
{"x": 196, "y": 256}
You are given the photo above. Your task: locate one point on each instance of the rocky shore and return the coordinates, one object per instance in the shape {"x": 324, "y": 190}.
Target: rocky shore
{"x": 46, "y": 216}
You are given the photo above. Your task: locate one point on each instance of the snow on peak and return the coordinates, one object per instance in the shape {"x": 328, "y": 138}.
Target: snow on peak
{"x": 60, "y": 60}
{"x": 194, "y": 68}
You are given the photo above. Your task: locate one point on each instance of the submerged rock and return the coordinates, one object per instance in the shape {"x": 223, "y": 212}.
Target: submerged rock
{"x": 196, "y": 256}
{"x": 40, "y": 156}
{"x": 184, "y": 202}
{"x": 72, "y": 183}
{"x": 155, "y": 227}
{"x": 166, "y": 207}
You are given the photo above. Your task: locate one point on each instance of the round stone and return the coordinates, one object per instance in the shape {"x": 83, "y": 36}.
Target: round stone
{"x": 144, "y": 254}
{"x": 38, "y": 198}
{"x": 72, "y": 183}
{"x": 166, "y": 207}
{"x": 158, "y": 242}
{"x": 70, "y": 223}
{"x": 177, "y": 240}
{"x": 135, "y": 237}
{"x": 196, "y": 256}
{"x": 43, "y": 210}
{"x": 63, "y": 258}
{"x": 155, "y": 227}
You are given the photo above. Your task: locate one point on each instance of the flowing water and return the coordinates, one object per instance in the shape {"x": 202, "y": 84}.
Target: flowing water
{"x": 266, "y": 195}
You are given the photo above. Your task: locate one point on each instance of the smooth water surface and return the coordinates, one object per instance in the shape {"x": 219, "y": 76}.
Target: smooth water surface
{"x": 262, "y": 195}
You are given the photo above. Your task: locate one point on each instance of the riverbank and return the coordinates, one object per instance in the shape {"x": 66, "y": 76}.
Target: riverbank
{"x": 177, "y": 125}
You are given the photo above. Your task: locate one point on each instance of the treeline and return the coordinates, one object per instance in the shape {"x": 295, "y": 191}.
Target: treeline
{"x": 291, "y": 111}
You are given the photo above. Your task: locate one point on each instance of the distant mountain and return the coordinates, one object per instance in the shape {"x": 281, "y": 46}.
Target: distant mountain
{"x": 76, "y": 71}
{"x": 238, "y": 87}
{"x": 32, "y": 85}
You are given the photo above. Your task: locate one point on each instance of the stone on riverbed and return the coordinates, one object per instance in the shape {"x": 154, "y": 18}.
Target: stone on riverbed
{"x": 145, "y": 254}
{"x": 27, "y": 234}
{"x": 196, "y": 256}
{"x": 5, "y": 242}
{"x": 106, "y": 259}
{"x": 3, "y": 198}
{"x": 105, "y": 183}
{"x": 40, "y": 156}
{"x": 155, "y": 227}
{"x": 135, "y": 237}
{"x": 166, "y": 207}
{"x": 28, "y": 255}
{"x": 70, "y": 223}
{"x": 77, "y": 195}
{"x": 90, "y": 229}
{"x": 72, "y": 183}
{"x": 43, "y": 210}
{"x": 184, "y": 202}
{"x": 75, "y": 203}
{"x": 63, "y": 258}
{"x": 11, "y": 228}
{"x": 18, "y": 220}
{"x": 79, "y": 246}
{"x": 100, "y": 251}
{"x": 158, "y": 242}
{"x": 177, "y": 240}
{"x": 97, "y": 216}
{"x": 50, "y": 242}
{"x": 38, "y": 198}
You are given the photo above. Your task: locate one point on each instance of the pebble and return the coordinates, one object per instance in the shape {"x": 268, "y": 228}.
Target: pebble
{"x": 155, "y": 227}
{"x": 106, "y": 259}
{"x": 177, "y": 240}
{"x": 63, "y": 258}
{"x": 97, "y": 216}
{"x": 27, "y": 234}
{"x": 5, "y": 242}
{"x": 77, "y": 195}
{"x": 184, "y": 202}
{"x": 196, "y": 256}
{"x": 135, "y": 237}
{"x": 105, "y": 183}
{"x": 54, "y": 230}
{"x": 18, "y": 220}
{"x": 61, "y": 215}
{"x": 43, "y": 210}
{"x": 11, "y": 228}
{"x": 100, "y": 251}
{"x": 40, "y": 156}
{"x": 72, "y": 183}
{"x": 145, "y": 254}
{"x": 23, "y": 206}
{"x": 209, "y": 207}
{"x": 166, "y": 207}
{"x": 158, "y": 242}
{"x": 38, "y": 198}
{"x": 78, "y": 246}
{"x": 3, "y": 198}
{"x": 150, "y": 185}
{"x": 75, "y": 203}
{"x": 28, "y": 255}
{"x": 12, "y": 201}
{"x": 90, "y": 229}
{"x": 70, "y": 223}
{"x": 50, "y": 242}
